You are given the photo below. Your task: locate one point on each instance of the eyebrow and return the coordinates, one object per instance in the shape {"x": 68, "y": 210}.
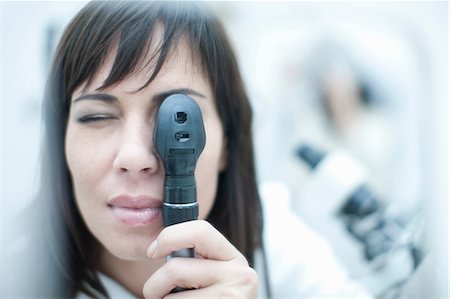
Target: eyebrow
{"x": 158, "y": 97}
{"x": 97, "y": 96}
{"x": 186, "y": 91}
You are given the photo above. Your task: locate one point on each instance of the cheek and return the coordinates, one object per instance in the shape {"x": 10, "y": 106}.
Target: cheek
{"x": 207, "y": 171}
{"x": 88, "y": 162}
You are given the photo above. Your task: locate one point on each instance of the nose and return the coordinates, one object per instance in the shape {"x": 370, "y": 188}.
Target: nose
{"x": 136, "y": 155}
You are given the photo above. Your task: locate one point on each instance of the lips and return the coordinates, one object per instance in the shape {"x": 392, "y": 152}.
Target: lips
{"x": 135, "y": 210}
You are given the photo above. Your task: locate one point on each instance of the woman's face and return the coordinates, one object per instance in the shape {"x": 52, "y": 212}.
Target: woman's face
{"x": 117, "y": 177}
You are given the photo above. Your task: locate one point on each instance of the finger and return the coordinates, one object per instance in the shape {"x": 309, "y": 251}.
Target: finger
{"x": 187, "y": 273}
{"x": 213, "y": 292}
{"x": 208, "y": 242}
{"x": 242, "y": 283}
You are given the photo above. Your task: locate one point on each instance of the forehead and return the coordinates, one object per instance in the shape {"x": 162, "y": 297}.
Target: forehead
{"x": 180, "y": 66}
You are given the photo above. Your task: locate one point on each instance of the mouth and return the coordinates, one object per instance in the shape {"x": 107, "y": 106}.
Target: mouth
{"x": 136, "y": 210}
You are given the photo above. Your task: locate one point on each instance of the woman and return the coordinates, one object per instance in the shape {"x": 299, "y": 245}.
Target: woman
{"x": 116, "y": 62}
{"x": 114, "y": 65}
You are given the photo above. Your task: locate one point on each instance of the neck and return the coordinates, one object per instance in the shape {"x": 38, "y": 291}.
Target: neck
{"x": 130, "y": 274}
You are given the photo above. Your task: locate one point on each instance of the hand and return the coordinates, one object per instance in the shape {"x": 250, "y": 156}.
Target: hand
{"x": 220, "y": 271}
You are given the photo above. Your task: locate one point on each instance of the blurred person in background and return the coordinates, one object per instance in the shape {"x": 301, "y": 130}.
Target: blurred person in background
{"x": 339, "y": 93}
{"x": 114, "y": 65}
{"x": 350, "y": 116}
{"x": 351, "y": 126}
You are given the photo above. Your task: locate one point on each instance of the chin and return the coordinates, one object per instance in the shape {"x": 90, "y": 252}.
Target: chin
{"x": 130, "y": 247}
{"x": 130, "y": 251}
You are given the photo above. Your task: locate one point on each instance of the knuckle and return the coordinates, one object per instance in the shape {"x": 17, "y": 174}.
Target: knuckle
{"x": 248, "y": 277}
{"x": 245, "y": 284}
{"x": 203, "y": 227}
{"x": 242, "y": 260}
{"x": 172, "y": 268}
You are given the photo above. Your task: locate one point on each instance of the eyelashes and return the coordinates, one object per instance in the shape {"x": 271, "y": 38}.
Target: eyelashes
{"x": 92, "y": 118}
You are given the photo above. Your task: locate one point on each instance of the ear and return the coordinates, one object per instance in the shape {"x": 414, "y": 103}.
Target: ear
{"x": 223, "y": 162}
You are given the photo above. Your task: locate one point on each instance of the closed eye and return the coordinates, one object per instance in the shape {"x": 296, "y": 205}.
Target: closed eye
{"x": 95, "y": 118}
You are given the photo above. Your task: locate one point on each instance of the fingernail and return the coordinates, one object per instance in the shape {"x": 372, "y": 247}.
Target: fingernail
{"x": 152, "y": 249}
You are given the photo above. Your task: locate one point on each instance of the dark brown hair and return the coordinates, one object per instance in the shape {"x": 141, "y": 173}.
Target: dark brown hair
{"x": 82, "y": 49}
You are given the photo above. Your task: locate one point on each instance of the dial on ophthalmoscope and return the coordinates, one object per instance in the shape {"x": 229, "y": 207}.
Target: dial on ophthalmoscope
{"x": 179, "y": 139}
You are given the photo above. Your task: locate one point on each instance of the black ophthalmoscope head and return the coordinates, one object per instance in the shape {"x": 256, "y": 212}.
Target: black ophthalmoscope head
{"x": 179, "y": 138}
{"x": 179, "y": 134}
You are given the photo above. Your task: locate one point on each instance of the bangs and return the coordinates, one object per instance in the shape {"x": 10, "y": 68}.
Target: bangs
{"x": 130, "y": 26}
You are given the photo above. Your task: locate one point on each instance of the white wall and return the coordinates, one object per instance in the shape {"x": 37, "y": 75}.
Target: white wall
{"x": 25, "y": 61}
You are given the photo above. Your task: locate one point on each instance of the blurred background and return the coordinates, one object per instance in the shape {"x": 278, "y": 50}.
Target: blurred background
{"x": 350, "y": 107}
